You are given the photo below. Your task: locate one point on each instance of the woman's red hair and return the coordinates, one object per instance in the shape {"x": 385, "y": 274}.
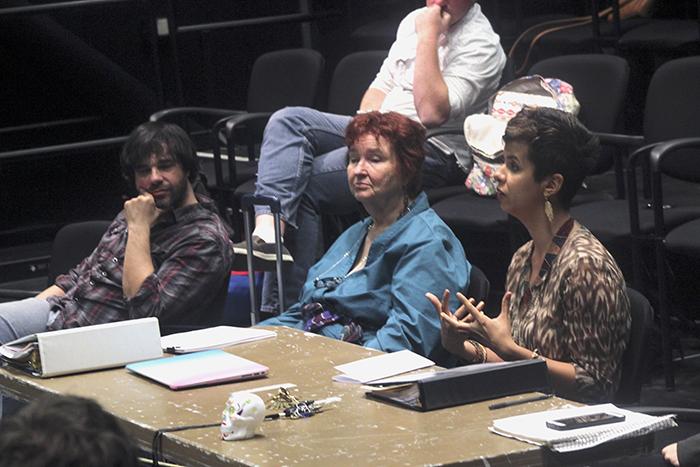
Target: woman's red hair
{"x": 405, "y": 136}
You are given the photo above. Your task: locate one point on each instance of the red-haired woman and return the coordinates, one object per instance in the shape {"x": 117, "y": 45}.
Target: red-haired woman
{"x": 368, "y": 288}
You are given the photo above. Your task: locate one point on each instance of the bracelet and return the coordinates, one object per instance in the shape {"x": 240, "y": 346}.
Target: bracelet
{"x": 484, "y": 354}
{"x": 480, "y": 350}
{"x": 476, "y": 350}
{"x": 535, "y": 354}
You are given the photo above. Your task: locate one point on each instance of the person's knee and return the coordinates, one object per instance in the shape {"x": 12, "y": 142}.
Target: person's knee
{"x": 7, "y": 330}
{"x": 7, "y": 334}
{"x": 289, "y": 116}
{"x": 22, "y": 317}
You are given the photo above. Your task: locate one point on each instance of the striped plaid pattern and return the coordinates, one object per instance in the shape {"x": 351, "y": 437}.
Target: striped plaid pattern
{"x": 191, "y": 253}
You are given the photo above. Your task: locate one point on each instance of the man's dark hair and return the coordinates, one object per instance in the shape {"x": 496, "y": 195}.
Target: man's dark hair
{"x": 158, "y": 138}
{"x": 557, "y": 143}
{"x": 64, "y": 431}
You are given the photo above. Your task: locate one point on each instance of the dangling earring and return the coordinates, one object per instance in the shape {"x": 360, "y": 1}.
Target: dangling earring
{"x": 548, "y": 211}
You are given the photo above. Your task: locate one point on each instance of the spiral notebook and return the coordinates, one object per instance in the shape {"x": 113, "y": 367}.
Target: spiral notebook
{"x": 531, "y": 427}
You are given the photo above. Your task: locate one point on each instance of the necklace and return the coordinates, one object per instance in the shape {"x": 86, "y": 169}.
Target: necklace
{"x": 345, "y": 255}
{"x": 321, "y": 279}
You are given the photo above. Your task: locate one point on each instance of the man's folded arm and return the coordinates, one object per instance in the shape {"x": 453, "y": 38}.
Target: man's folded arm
{"x": 183, "y": 283}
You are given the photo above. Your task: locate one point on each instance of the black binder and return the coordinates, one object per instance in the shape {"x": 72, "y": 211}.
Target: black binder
{"x": 466, "y": 384}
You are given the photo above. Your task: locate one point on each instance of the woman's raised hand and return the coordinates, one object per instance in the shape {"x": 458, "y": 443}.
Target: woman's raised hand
{"x": 454, "y": 329}
{"x": 495, "y": 330}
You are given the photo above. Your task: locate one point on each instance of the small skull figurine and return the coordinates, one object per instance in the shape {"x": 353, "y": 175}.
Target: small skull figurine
{"x": 242, "y": 416}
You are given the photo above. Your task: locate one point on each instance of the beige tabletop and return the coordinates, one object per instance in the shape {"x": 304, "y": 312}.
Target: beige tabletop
{"x": 356, "y": 431}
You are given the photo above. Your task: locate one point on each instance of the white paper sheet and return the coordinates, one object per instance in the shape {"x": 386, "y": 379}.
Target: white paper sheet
{"x": 381, "y": 366}
{"x": 212, "y": 338}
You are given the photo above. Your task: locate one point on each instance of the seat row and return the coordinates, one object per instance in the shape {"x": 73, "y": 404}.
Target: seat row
{"x": 599, "y": 80}
{"x": 291, "y": 77}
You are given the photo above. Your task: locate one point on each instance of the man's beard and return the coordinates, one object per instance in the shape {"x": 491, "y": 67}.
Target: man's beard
{"x": 176, "y": 199}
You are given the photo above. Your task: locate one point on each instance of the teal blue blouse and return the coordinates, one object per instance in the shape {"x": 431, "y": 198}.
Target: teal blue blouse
{"x": 417, "y": 254}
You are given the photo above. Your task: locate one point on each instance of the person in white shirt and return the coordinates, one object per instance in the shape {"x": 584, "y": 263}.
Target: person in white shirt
{"x": 444, "y": 65}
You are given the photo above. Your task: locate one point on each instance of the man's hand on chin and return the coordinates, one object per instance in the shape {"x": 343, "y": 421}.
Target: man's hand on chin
{"x": 141, "y": 211}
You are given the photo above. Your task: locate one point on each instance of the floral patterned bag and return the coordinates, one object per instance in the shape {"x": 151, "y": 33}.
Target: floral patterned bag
{"x": 484, "y": 132}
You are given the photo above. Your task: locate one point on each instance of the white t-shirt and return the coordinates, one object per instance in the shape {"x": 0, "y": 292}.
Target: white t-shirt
{"x": 471, "y": 60}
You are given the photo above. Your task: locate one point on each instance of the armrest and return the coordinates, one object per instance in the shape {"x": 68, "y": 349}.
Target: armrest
{"x": 243, "y": 119}
{"x": 177, "y": 111}
{"x": 225, "y": 128}
{"x": 660, "y": 150}
{"x": 620, "y": 141}
{"x": 639, "y": 156}
{"x": 657, "y": 154}
{"x": 616, "y": 139}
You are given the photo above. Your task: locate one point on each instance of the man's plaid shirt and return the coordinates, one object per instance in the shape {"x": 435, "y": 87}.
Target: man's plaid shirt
{"x": 191, "y": 253}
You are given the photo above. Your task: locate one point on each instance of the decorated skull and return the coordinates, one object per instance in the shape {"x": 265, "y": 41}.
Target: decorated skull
{"x": 242, "y": 416}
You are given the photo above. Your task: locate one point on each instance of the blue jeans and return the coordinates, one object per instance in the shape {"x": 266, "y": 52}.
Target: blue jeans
{"x": 303, "y": 163}
{"x": 22, "y": 318}
{"x": 18, "y": 319}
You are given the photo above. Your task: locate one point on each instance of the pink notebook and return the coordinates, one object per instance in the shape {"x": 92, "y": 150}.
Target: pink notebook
{"x": 199, "y": 369}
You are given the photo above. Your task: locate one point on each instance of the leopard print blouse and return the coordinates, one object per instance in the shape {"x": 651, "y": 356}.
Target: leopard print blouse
{"x": 576, "y": 311}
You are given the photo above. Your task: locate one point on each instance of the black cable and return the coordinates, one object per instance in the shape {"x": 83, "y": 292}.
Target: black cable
{"x": 157, "y": 445}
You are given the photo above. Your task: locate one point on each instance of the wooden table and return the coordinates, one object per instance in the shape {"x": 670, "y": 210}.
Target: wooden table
{"x": 358, "y": 431}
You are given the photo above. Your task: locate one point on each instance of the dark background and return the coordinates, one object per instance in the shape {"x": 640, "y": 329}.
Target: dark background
{"x": 95, "y": 72}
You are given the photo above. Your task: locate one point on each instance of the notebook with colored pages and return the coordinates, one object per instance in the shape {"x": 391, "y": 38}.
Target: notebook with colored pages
{"x": 198, "y": 369}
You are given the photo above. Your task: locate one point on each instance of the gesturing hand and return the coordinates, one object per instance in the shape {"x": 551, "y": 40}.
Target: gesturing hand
{"x": 452, "y": 335}
{"x": 495, "y": 330}
{"x": 141, "y": 211}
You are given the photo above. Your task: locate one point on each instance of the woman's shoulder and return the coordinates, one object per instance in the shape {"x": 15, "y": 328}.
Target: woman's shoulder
{"x": 585, "y": 252}
{"x": 428, "y": 221}
{"x": 423, "y": 227}
{"x": 584, "y": 244}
